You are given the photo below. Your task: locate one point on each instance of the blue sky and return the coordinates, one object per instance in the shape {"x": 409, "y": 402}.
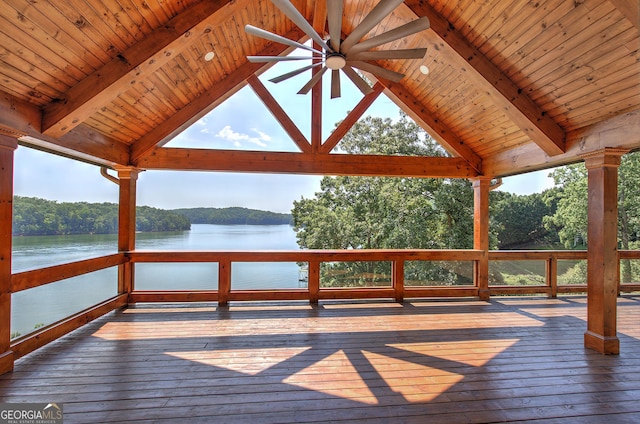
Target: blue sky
{"x": 242, "y": 122}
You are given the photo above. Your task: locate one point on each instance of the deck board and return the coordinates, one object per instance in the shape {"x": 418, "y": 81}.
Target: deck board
{"x": 510, "y": 359}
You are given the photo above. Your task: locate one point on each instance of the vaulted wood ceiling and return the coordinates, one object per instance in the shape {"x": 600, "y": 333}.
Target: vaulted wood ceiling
{"x": 514, "y": 85}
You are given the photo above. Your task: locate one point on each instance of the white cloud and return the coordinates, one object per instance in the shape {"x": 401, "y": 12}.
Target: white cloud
{"x": 263, "y": 136}
{"x": 237, "y": 138}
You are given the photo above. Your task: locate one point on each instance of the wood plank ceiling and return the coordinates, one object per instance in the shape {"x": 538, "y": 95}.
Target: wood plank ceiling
{"x": 514, "y": 85}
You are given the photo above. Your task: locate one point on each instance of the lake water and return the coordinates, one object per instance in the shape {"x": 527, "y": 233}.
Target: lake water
{"x": 48, "y": 304}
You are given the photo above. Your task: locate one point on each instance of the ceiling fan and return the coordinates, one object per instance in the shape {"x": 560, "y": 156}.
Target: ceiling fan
{"x": 343, "y": 55}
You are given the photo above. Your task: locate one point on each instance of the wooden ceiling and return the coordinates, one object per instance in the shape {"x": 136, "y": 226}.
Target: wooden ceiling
{"x": 514, "y": 85}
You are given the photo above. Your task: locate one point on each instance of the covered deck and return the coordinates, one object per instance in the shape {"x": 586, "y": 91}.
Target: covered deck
{"x": 510, "y": 359}
{"x": 513, "y": 87}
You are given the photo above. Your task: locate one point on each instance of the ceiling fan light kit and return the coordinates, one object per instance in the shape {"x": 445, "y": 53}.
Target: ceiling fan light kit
{"x": 338, "y": 55}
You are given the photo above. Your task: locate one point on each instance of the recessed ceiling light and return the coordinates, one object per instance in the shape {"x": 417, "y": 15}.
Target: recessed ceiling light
{"x": 209, "y": 56}
{"x": 424, "y": 69}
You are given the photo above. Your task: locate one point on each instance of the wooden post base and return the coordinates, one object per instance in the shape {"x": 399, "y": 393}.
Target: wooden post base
{"x": 6, "y": 362}
{"x": 602, "y": 344}
{"x": 484, "y": 294}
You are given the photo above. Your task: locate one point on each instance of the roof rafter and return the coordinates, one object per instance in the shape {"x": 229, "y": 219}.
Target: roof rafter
{"x": 136, "y": 63}
{"x": 306, "y": 163}
{"x": 204, "y": 104}
{"x": 542, "y": 130}
{"x": 22, "y": 120}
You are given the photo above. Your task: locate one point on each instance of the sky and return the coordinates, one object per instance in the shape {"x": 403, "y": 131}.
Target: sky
{"x": 242, "y": 122}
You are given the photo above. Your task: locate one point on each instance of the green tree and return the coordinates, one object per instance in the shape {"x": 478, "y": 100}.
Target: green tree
{"x": 570, "y": 217}
{"x": 518, "y": 220}
{"x": 386, "y": 212}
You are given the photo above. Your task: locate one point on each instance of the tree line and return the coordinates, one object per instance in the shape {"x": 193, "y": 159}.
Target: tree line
{"x": 234, "y": 216}
{"x": 35, "y": 216}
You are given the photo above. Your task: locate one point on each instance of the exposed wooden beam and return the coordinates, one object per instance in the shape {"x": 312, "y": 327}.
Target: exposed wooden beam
{"x": 303, "y": 163}
{"x": 281, "y": 116}
{"x": 439, "y": 131}
{"x": 353, "y": 116}
{"x": 205, "y": 103}
{"x": 542, "y": 130}
{"x": 630, "y": 9}
{"x": 136, "y": 63}
{"x": 22, "y": 120}
{"x": 18, "y": 118}
{"x": 620, "y": 132}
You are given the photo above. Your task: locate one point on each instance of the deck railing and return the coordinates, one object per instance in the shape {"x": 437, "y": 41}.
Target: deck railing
{"x": 396, "y": 288}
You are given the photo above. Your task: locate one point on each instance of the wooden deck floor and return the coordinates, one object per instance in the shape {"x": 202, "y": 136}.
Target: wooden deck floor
{"x": 511, "y": 359}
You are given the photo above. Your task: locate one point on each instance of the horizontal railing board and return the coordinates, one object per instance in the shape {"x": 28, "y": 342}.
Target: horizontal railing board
{"x": 39, "y": 277}
{"x": 306, "y": 255}
{"x": 42, "y": 336}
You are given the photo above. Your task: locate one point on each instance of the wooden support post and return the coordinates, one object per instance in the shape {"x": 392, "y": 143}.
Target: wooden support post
{"x": 8, "y": 146}
{"x": 128, "y": 177}
{"x": 398, "y": 279}
{"x": 552, "y": 276}
{"x": 481, "y": 188}
{"x": 224, "y": 281}
{"x": 602, "y": 250}
{"x": 313, "y": 281}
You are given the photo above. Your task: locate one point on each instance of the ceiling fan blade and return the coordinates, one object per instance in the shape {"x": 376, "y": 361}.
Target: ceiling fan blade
{"x": 289, "y": 9}
{"x": 377, "y": 14}
{"x": 376, "y": 70}
{"x": 294, "y": 73}
{"x": 258, "y": 32}
{"x": 313, "y": 81}
{"x": 357, "y": 80}
{"x": 395, "y": 34}
{"x": 390, "y": 54}
{"x": 260, "y": 59}
{"x": 334, "y": 18}
{"x": 335, "y": 83}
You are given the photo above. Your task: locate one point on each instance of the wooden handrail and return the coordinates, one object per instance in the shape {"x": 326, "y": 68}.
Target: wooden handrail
{"x": 306, "y": 255}
{"x": 39, "y": 277}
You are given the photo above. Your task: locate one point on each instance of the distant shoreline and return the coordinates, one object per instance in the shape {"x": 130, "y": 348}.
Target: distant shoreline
{"x": 34, "y": 216}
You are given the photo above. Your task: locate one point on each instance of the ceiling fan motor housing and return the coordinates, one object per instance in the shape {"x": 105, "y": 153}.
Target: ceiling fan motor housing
{"x": 335, "y": 61}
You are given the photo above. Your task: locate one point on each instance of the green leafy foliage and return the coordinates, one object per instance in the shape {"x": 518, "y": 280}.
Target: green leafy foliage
{"x": 34, "y": 216}
{"x": 234, "y": 216}
{"x": 519, "y": 219}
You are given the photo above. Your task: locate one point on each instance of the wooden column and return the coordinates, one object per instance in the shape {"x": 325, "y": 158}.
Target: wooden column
{"x": 8, "y": 146}
{"x": 398, "y": 279}
{"x": 128, "y": 177}
{"x": 481, "y": 188}
{"x": 602, "y": 250}
{"x": 313, "y": 282}
{"x": 224, "y": 281}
